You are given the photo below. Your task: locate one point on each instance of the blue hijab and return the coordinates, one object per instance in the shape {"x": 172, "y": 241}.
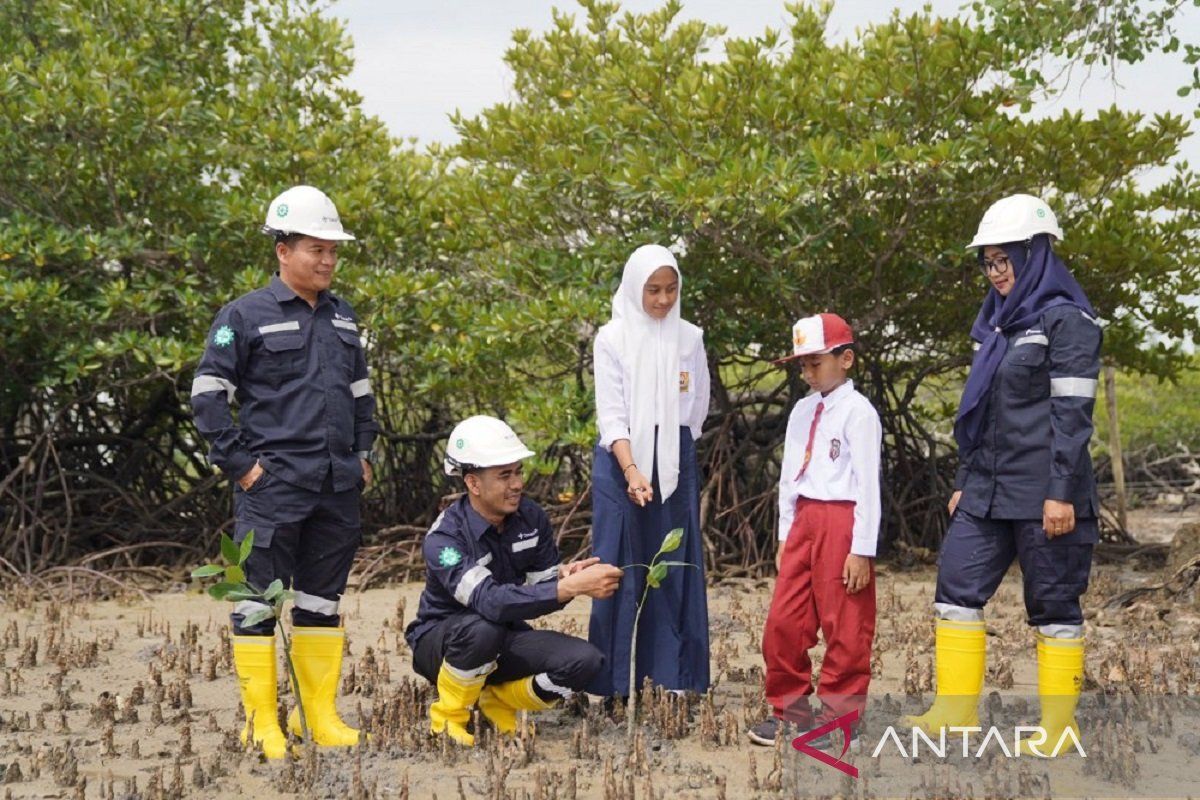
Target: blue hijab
{"x": 1041, "y": 282}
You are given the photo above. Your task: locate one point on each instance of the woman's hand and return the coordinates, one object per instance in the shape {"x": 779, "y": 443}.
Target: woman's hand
{"x": 639, "y": 489}
{"x": 953, "y": 504}
{"x": 1058, "y": 518}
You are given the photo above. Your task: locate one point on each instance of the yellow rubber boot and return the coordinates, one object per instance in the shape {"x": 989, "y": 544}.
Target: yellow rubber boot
{"x": 1060, "y": 678}
{"x": 317, "y": 657}
{"x": 254, "y": 660}
{"x": 961, "y": 652}
{"x": 501, "y": 702}
{"x": 457, "y": 694}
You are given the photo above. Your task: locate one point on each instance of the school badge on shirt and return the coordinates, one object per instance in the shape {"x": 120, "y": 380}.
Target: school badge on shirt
{"x": 835, "y": 449}
{"x": 685, "y": 381}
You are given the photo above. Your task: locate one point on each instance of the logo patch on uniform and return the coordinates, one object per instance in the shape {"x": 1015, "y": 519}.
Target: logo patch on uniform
{"x": 449, "y": 557}
{"x": 835, "y": 449}
{"x": 685, "y": 381}
{"x": 223, "y": 337}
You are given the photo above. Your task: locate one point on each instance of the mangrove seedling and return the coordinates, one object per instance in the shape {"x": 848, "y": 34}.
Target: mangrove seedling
{"x": 234, "y": 587}
{"x": 656, "y": 572}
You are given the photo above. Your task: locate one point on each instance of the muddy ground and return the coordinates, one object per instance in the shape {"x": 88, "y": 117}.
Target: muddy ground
{"x": 136, "y": 698}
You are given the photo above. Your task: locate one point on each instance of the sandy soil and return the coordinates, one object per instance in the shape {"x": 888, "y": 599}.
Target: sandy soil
{"x": 136, "y": 698}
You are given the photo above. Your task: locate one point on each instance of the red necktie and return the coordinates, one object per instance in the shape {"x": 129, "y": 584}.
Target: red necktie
{"x": 812, "y": 434}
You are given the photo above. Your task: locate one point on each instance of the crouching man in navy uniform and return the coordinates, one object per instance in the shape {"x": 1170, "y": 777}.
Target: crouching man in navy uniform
{"x": 299, "y": 453}
{"x": 491, "y": 564}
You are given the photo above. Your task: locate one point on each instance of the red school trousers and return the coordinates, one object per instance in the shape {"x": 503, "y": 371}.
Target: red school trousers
{"x": 809, "y": 593}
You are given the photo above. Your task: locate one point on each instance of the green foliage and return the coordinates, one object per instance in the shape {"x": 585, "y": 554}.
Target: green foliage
{"x": 794, "y": 176}
{"x": 1153, "y": 412}
{"x": 1088, "y": 33}
{"x": 141, "y": 141}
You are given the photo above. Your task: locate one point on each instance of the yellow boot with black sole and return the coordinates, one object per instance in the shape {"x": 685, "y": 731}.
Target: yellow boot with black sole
{"x": 254, "y": 660}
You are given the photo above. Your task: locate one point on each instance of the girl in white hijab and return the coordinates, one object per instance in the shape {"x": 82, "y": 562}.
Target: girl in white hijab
{"x": 652, "y": 395}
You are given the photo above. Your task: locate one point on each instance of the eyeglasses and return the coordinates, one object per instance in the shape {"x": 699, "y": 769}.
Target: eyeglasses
{"x": 1000, "y": 264}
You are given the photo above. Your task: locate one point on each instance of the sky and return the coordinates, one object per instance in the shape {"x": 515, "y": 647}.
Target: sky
{"x": 419, "y": 61}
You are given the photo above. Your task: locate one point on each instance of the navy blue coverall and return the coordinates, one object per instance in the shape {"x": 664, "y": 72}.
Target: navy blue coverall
{"x": 306, "y": 414}
{"x": 1034, "y": 447}
{"x": 481, "y": 585}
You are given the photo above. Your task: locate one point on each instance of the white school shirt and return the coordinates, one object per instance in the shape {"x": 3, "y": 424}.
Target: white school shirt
{"x": 613, "y": 392}
{"x": 844, "y": 464}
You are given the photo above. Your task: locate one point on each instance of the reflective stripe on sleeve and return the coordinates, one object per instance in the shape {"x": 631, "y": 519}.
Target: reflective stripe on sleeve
{"x": 211, "y": 383}
{"x": 473, "y": 577}
{"x": 361, "y": 387}
{"x": 345, "y": 324}
{"x": 1033, "y": 339}
{"x": 541, "y": 575}
{"x": 278, "y": 327}
{"x": 1073, "y": 387}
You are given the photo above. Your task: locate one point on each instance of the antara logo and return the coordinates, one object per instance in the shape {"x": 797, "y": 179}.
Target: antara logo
{"x": 1026, "y": 740}
{"x": 845, "y": 723}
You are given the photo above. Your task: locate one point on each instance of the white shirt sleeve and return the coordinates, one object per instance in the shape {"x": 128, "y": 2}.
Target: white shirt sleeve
{"x": 702, "y": 387}
{"x": 612, "y": 415}
{"x": 793, "y": 454}
{"x": 864, "y": 464}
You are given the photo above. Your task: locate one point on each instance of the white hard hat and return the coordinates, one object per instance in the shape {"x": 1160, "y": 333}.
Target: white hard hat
{"x": 482, "y": 441}
{"x": 308, "y": 211}
{"x": 1016, "y": 218}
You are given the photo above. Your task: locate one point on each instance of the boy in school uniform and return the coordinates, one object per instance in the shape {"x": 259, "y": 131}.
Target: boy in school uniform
{"x": 829, "y": 511}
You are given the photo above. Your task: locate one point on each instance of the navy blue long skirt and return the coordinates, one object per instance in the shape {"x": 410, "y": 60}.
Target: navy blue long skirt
{"x": 673, "y": 631}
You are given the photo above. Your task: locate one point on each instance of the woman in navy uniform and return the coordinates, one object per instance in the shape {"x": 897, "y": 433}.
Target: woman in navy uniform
{"x": 652, "y": 394}
{"x": 1025, "y": 487}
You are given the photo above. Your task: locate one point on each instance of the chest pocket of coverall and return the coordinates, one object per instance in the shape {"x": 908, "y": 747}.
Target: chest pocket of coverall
{"x": 349, "y": 355}
{"x": 283, "y": 357}
{"x": 1027, "y": 374}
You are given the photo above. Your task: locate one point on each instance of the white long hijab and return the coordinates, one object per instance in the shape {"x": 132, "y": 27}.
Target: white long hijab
{"x": 649, "y": 352}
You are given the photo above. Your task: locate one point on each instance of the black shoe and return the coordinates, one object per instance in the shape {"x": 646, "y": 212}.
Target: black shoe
{"x": 765, "y": 732}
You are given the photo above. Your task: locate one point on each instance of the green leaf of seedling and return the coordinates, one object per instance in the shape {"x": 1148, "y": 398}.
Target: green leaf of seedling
{"x": 229, "y": 550}
{"x": 672, "y": 541}
{"x": 677, "y": 564}
{"x": 656, "y": 575}
{"x": 207, "y": 571}
{"x": 255, "y": 617}
{"x": 218, "y": 591}
{"x": 274, "y": 590}
{"x": 243, "y": 592}
{"x": 234, "y": 574}
{"x": 247, "y": 545}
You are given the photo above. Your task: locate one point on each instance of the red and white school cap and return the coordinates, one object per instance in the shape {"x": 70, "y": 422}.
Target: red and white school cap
{"x": 820, "y": 333}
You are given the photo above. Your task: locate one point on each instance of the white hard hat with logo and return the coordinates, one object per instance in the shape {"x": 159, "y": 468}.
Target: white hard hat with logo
{"x": 308, "y": 211}
{"x": 1016, "y": 218}
{"x": 483, "y": 441}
